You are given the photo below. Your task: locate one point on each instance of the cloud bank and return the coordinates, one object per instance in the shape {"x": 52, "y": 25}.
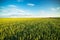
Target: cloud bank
{"x": 14, "y": 11}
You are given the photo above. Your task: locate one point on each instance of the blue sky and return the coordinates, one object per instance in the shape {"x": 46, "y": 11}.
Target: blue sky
{"x": 30, "y": 8}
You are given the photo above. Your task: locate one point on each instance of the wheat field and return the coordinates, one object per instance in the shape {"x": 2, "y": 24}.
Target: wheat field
{"x": 29, "y": 28}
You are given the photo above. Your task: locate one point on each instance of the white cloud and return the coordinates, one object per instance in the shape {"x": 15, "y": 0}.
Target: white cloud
{"x": 58, "y": 8}
{"x": 54, "y": 12}
{"x": 31, "y": 4}
{"x": 13, "y": 11}
{"x": 53, "y": 9}
{"x": 11, "y": 6}
{"x": 42, "y": 12}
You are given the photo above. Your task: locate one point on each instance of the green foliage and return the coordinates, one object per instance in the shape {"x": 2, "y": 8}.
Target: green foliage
{"x": 42, "y": 29}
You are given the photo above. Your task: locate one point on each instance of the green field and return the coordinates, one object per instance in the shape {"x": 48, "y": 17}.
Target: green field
{"x": 29, "y": 28}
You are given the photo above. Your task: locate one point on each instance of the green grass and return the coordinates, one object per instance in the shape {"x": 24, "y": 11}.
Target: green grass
{"x": 29, "y": 28}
